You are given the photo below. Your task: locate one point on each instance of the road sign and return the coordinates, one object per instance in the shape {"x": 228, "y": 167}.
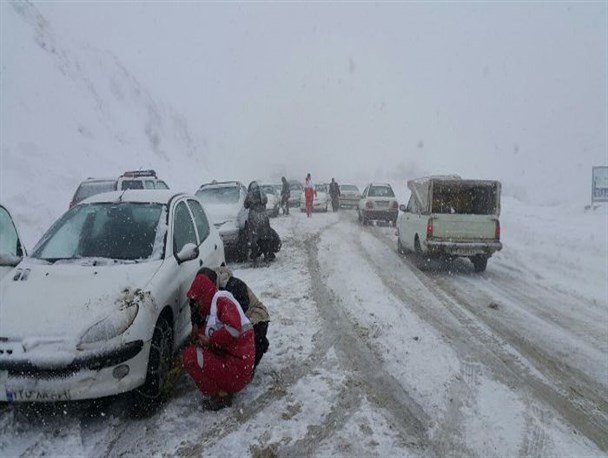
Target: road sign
{"x": 599, "y": 184}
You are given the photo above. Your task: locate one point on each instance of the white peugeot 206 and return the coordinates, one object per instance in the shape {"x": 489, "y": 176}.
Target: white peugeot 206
{"x": 100, "y": 307}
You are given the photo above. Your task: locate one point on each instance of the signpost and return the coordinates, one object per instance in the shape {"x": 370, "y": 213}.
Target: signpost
{"x": 599, "y": 184}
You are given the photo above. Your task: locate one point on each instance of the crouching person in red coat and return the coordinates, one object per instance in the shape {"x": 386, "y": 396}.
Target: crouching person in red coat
{"x": 221, "y": 361}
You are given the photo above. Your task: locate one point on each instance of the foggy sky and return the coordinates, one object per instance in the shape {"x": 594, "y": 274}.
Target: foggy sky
{"x": 513, "y": 91}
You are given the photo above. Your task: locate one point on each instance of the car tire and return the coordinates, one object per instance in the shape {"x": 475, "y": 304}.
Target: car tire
{"x": 417, "y": 247}
{"x": 400, "y": 247}
{"x": 149, "y": 396}
{"x": 480, "y": 262}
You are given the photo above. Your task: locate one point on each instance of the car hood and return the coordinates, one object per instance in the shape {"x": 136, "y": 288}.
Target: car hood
{"x": 65, "y": 299}
{"x": 220, "y": 213}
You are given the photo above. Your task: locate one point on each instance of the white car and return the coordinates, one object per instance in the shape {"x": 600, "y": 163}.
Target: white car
{"x": 378, "y": 202}
{"x": 100, "y": 306}
{"x": 223, "y": 202}
{"x": 11, "y": 248}
{"x": 274, "y": 199}
{"x": 349, "y": 195}
{"x": 321, "y": 201}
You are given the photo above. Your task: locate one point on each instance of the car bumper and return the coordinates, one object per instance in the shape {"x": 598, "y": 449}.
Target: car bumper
{"x": 88, "y": 377}
{"x": 349, "y": 201}
{"x": 294, "y": 202}
{"x": 383, "y": 215}
{"x": 463, "y": 248}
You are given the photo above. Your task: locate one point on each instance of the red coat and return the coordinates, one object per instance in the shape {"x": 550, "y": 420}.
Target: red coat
{"x": 227, "y": 363}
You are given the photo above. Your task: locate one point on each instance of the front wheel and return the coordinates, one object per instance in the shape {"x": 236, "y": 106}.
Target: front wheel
{"x": 150, "y": 394}
{"x": 480, "y": 262}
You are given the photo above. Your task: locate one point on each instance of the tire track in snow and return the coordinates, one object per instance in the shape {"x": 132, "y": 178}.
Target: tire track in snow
{"x": 582, "y": 406}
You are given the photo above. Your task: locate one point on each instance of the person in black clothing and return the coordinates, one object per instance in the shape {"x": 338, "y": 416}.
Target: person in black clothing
{"x": 258, "y": 224}
{"x": 334, "y": 193}
{"x": 255, "y": 311}
{"x": 285, "y": 195}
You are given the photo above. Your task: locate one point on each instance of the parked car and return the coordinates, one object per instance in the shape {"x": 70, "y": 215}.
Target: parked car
{"x": 140, "y": 179}
{"x": 11, "y": 248}
{"x": 224, "y": 203}
{"x": 321, "y": 201}
{"x": 349, "y": 195}
{"x": 296, "y": 192}
{"x": 100, "y": 307}
{"x": 377, "y": 202}
{"x": 452, "y": 217}
{"x": 274, "y": 199}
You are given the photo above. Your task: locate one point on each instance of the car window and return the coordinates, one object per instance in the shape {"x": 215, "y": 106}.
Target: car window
{"x": 221, "y": 195}
{"x": 321, "y": 187}
{"x": 88, "y": 189}
{"x": 131, "y": 184}
{"x": 381, "y": 191}
{"x": 183, "y": 228}
{"x": 126, "y": 231}
{"x": 161, "y": 185}
{"x": 349, "y": 188}
{"x": 365, "y": 192}
{"x": 200, "y": 219}
{"x": 9, "y": 240}
{"x": 149, "y": 184}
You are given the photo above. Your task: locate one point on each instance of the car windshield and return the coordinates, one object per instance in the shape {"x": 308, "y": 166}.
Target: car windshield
{"x": 268, "y": 189}
{"x": 321, "y": 187}
{"x": 295, "y": 186}
{"x": 380, "y": 191}
{"x": 349, "y": 188}
{"x": 121, "y": 231}
{"x": 92, "y": 188}
{"x": 9, "y": 241}
{"x": 221, "y": 195}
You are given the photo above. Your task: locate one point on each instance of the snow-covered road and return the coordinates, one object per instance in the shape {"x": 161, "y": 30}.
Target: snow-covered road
{"x": 373, "y": 353}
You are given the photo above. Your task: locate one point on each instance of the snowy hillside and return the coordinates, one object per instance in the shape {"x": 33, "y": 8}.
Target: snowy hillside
{"x": 71, "y": 111}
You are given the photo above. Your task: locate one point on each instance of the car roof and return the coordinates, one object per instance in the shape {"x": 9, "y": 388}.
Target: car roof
{"x": 161, "y": 196}
{"x": 94, "y": 180}
{"x": 381, "y": 184}
{"x": 221, "y": 184}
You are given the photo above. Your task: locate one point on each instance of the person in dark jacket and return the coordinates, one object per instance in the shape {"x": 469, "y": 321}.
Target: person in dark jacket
{"x": 334, "y": 193}
{"x": 285, "y": 195}
{"x": 254, "y": 309}
{"x": 258, "y": 224}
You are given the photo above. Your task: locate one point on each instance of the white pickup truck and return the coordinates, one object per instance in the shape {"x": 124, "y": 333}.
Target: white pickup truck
{"x": 449, "y": 216}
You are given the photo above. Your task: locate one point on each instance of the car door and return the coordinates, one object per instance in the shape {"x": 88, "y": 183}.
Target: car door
{"x": 184, "y": 232}
{"x": 361, "y": 203}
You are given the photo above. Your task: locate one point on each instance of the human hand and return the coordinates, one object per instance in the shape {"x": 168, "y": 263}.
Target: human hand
{"x": 203, "y": 340}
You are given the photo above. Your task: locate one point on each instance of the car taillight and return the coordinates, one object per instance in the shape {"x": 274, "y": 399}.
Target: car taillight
{"x": 429, "y": 229}
{"x": 395, "y": 204}
{"x": 369, "y": 204}
{"x": 497, "y": 236}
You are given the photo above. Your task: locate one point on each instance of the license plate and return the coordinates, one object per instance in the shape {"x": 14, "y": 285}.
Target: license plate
{"x": 382, "y": 204}
{"x": 35, "y": 395}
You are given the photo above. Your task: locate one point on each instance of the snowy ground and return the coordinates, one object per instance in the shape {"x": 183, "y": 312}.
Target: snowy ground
{"x": 377, "y": 354}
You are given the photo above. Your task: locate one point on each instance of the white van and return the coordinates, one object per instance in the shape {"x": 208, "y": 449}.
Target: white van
{"x": 449, "y": 216}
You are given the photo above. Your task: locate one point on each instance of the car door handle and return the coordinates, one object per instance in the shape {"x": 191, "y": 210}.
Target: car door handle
{"x": 216, "y": 246}
{"x": 200, "y": 262}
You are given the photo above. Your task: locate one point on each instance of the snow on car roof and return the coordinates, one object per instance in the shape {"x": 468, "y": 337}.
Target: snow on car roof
{"x": 161, "y": 196}
{"x": 381, "y": 184}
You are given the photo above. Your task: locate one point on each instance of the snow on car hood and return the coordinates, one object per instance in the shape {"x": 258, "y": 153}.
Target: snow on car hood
{"x": 64, "y": 299}
{"x": 220, "y": 213}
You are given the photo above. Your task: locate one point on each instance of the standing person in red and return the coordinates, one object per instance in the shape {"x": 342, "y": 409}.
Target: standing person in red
{"x": 309, "y": 194}
{"x": 221, "y": 361}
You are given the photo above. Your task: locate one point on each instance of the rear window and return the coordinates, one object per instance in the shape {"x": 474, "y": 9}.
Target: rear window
{"x": 464, "y": 199}
{"x": 380, "y": 191}
{"x": 321, "y": 187}
{"x": 223, "y": 195}
{"x": 86, "y": 190}
{"x": 295, "y": 186}
{"x": 349, "y": 188}
{"x": 131, "y": 184}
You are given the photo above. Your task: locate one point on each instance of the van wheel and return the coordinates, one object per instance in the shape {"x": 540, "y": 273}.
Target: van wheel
{"x": 400, "y": 247}
{"x": 480, "y": 262}
{"x": 150, "y": 394}
{"x": 417, "y": 247}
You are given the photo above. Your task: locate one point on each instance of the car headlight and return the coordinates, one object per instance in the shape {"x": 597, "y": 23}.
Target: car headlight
{"x": 113, "y": 325}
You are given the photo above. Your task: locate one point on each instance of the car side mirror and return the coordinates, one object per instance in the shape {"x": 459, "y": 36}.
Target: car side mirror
{"x": 403, "y": 208}
{"x": 187, "y": 253}
{"x": 9, "y": 260}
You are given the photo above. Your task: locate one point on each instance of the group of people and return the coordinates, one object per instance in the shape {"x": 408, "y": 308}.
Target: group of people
{"x": 309, "y": 195}
{"x": 229, "y": 326}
